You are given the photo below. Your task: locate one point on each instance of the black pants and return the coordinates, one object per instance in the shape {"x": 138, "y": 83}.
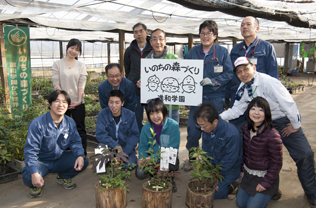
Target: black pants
{"x": 79, "y": 115}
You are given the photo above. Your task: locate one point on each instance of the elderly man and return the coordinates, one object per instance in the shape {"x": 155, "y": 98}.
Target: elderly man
{"x": 223, "y": 142}
{"x": 139, "y": 48}
{"x": 261, "y": 53}
{"x": 116, "y": 81}
{"x": 158, "y": 41}
{"x": 117, "y": 127}
{"x": 285, "y": 116}
{"x": 217, "y": 72}
{"x": 46, "y": 147}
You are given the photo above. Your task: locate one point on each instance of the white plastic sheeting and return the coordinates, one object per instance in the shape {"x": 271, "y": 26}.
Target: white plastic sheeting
{"x": 89, "y": 19}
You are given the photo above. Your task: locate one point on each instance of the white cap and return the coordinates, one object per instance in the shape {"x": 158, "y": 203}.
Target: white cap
{"x": 241, "y": 61}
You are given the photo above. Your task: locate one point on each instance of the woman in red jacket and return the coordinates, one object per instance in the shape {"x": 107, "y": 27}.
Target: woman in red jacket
{"x": 262, "y": 157}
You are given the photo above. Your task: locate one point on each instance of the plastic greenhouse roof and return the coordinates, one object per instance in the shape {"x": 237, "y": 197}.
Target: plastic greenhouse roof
{"x": 99, "y": 20}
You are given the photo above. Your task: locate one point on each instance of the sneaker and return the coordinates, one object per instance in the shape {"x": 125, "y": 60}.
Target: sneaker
{"x": 67, "y": 183}
{"x": 35, "y": 192}
{"x": 277, "y": 196}
{"x": 187, "y": 166}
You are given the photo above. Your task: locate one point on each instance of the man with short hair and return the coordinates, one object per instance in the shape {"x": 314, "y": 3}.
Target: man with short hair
{"x": 285, "y": 117}
{"x": 222, "y": 141}
{"x": 116, "y": 81}
{"x": 139, "y": 48}
{"x": 117, "y": 127}
{"x": 217, "y": 72}
{"x": 260, "y": 52}
{"x": 46, "y": 147}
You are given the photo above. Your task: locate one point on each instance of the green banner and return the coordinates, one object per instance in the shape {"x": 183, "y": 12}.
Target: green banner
{"x": 17, "y": 45}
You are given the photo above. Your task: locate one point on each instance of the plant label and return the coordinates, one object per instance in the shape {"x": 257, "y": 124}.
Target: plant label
{"x": 164, "y": 161}
{"x": 172, "y": 155}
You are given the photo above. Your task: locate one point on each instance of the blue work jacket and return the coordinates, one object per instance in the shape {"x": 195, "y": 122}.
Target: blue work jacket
{"x": 47, "y": 143}
{"x": 126, "y": 86}
{"x": 265, "y": 54}
{"x": 224, "y": 144}
{"x": 208, "y": 71}
{"x": 126, "y": 135}
{"x": 169, "y": 137}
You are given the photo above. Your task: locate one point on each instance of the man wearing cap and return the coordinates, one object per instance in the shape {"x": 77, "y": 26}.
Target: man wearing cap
{"x": 217, "y": 72}
{"x": 260, "y": 52}
{"x": 285, "y": 116}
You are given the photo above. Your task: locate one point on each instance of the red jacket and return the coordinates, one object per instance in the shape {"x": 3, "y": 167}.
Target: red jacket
{"x": 263, "y": 152}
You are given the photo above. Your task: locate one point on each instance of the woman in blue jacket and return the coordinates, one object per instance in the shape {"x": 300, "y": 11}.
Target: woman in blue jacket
{"x": 167, "y": 135}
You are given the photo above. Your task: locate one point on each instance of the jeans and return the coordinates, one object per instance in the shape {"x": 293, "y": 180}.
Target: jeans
{"x": 302, "y": 154}
{"x": 244, "y": 200}
{"x": 139, "y": 112}
{"x": 64, "y": 166}
{"x": 229, "y": 178}
{"x": 194, "y": 133}
{"x": 79, "y": 115}
{"x": 175, "y": 115}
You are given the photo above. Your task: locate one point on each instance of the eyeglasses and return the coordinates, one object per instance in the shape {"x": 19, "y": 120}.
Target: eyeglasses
{"x": 114, "y": 76}
{"x": 200, "y": 127}
{"x": 156, "y": 39}
{"x": 244, "y": 69}
{"x": 206, "y": 34}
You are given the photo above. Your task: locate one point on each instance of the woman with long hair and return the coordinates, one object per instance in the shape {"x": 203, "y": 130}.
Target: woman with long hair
{"x": 262, "y": 157}
{"x": 70, "y": 75}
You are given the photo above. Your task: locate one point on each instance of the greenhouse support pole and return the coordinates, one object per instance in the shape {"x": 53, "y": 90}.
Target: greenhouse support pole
{"x": 286, "y": 58}
{"x": 109, "y": 53}
{"x": 122, "y": 49}
{"x": 61, "y": 50}
{"x": 4, "y": 71}
{"x": 190, "y": 44}
{"x": 234, "y": 41}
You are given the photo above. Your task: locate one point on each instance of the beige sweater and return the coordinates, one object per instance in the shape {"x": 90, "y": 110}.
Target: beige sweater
{"x": 71, "y": 79}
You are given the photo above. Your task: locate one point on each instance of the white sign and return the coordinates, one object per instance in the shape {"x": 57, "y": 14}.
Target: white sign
{"x": 174, "y": 81}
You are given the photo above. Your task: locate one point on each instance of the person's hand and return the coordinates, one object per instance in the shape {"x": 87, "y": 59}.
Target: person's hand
{"x": 138, "y": 84}
{"x": 242, "y": 174}
{"x": 260, "y": 188}
{"x": 141, "y": 161}
{"x": 79, "y": 163}
{"x": 37, "y": 180}
{"x": 74, "y": 104}
{"x": 288, "y": 130}
{"x": 216, "y": 188}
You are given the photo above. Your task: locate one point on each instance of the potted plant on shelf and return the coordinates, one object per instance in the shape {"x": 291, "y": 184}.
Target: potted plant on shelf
{"x": 111, "y": 190}
{"x": 157, "y": 191}
{"x": 200, "y": 191}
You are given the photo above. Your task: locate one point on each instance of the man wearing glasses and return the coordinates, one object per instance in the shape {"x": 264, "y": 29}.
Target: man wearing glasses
{"x": 223, "y": 142}
{"x": 116, "y": 81}
{"x": 217, "y": 72}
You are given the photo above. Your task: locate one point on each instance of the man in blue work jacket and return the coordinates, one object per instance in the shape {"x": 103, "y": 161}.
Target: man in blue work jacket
{"x": 46, "y": 147}
{"x": 117, "y": 127}
{"x": 217, "y": 72}
{"x": 222, "y": 141}
{"x": 116, "y": 81}
{"x": 260, "y": 52}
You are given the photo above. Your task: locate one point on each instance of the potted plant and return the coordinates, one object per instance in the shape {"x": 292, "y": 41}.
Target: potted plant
{"x": 157, "y": 191}
{"x": 6, "y": 173}
{"x": 200, "y": 191}
{"x": 111, "y": 190}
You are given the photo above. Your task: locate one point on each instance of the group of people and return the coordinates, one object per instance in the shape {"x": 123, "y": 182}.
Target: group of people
{"x": 262, "y": 116}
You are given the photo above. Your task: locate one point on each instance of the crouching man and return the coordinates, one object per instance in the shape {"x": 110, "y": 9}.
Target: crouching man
{"x": 117, "y": 127}
{"x": 53, "y": 145}
{"x": 223, "y": 142}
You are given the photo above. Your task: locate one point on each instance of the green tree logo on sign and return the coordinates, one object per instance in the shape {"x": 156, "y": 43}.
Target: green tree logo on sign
{"x": 17, "y": 37}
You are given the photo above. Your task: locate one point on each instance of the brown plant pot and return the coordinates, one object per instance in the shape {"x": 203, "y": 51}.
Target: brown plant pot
{"x": 110, "y": 197}
{"x": 195, "y": 199}
{"x": 156, "y": 199}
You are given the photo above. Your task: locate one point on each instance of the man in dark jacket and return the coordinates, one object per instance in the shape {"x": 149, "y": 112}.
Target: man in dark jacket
{"x": 116, "y": 81}
{"x": 117, "y": 127}
{"x": 223, "y": 142}
{"x": 139, "y": 48}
